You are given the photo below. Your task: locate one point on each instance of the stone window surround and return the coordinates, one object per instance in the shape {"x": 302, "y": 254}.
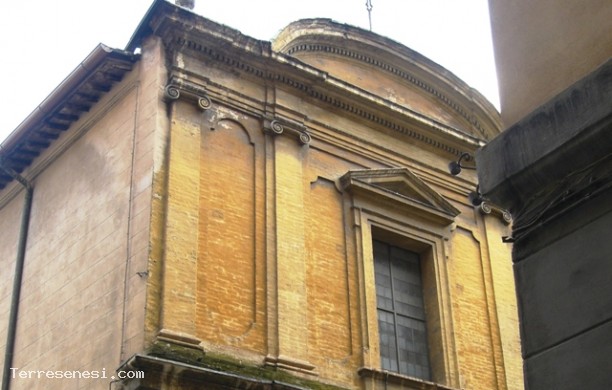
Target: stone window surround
{"x": 417, "y": 219}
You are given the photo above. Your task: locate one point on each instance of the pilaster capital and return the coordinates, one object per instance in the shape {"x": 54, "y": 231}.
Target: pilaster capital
{"x": 278, "y": 126}
{"x": 178, "y": 88}
{"x": 489, "y": 208}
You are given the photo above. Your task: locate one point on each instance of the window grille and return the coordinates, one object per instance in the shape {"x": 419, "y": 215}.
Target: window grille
{"x": 401, "y": 311}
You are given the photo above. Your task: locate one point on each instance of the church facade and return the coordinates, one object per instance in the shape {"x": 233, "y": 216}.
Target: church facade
{"x": 222, "y": 212}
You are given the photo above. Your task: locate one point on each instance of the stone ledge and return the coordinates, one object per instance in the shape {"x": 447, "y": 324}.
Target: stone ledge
{"x": 169, "y": 374}
{"x": 394, "y": 381}
{"x": 171, "y": 363}
{"x": 563, "y": 137}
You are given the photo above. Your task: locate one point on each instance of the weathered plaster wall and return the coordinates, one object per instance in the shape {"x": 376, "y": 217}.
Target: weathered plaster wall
{"x": 82, "y": 299}
{"x": 10, "y": 222}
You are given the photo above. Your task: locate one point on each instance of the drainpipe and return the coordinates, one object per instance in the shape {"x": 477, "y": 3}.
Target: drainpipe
{"x": 23, "y": 237}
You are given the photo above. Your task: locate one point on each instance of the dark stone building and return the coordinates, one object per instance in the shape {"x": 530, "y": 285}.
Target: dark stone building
{"x": 553, "y": 170}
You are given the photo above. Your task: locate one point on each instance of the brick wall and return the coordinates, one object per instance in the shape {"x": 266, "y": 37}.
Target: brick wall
{"x": 278, "y": 278}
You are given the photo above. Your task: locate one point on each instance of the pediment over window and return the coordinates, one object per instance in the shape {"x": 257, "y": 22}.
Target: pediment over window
{"x": 402, "y": 189}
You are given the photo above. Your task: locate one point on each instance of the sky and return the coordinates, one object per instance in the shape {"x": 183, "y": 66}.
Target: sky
{"x": 42, "y": 41}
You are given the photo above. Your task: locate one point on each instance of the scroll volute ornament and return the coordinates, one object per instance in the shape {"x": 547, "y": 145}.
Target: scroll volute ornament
{"x": 278, "y": 127}
{"x": 174, "y": 92}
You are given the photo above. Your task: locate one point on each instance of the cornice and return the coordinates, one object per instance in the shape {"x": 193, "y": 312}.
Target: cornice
{"x": 325, "y": 37}
{"x": 183, "y": 31}
{"x": 206, "y": 95}
{"x": 319, "y": 86}
{"x": 179, "y": 88}
{"x": 396, "y": 71}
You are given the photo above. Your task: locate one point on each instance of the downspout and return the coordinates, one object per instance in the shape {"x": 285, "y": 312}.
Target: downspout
{"x": 23, "y": 237}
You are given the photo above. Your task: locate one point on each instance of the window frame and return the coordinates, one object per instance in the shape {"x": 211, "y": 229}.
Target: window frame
{"x": 417, "y": 219}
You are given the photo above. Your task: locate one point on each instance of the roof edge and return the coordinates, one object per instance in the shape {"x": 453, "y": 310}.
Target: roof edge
{"x": 46, "y": 107}
{"x": 144, "y": 27}
{"x": 47, "y": 121}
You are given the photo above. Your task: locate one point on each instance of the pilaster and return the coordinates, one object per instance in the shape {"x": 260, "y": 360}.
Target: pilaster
{"x": 292, "y": 331}
{"x": 178, "y": 312}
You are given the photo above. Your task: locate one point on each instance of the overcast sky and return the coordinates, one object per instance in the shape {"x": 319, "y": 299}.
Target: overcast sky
{"x": 42, "y": 41}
